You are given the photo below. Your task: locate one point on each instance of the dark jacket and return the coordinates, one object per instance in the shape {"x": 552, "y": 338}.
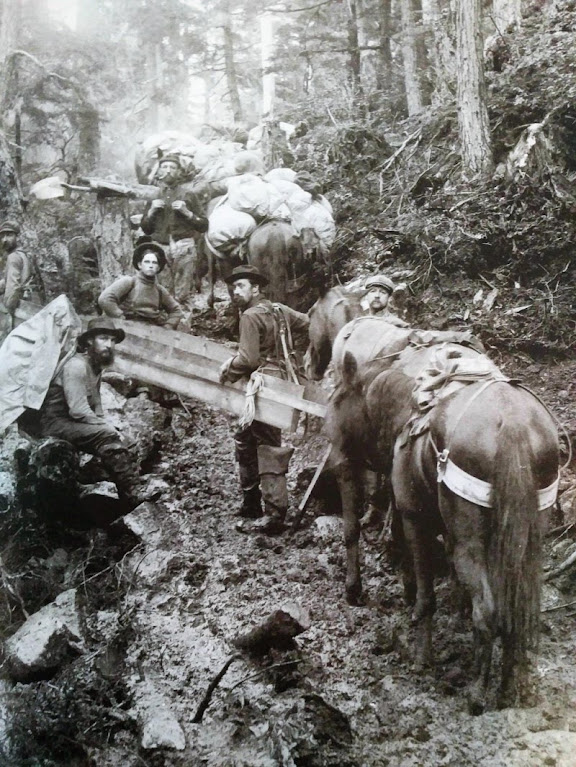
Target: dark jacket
{"x": 258, "y": 336}
{"x": 166, "y": 224}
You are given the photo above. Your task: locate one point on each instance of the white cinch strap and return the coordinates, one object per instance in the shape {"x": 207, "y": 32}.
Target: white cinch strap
{"x": 477, "y": 491}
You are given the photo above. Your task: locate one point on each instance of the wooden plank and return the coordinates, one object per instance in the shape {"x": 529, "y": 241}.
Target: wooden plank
{"x": 189, "y": 365}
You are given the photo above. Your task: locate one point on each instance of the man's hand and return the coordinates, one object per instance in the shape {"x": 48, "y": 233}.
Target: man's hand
{"x": 179, "y": 206}
{"x": 157, "y": 205}
{"x": 224, "y": 371}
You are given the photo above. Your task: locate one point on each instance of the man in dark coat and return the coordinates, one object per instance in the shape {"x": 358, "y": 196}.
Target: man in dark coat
{"x": 262, "y": 461}
{"x": 72, "y": 409}
{"x": 174, "y": 219}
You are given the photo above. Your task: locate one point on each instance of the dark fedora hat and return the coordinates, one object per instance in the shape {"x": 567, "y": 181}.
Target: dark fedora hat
{"x": 98, "y": 325}
{"x": 246, "y": 272}
{"x": 144, "y": 245}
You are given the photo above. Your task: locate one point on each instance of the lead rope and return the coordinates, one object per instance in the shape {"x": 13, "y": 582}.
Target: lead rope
{"x": 253, "y": 386}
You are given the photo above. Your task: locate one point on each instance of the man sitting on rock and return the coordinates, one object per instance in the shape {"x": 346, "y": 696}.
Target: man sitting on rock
{"x": 72, "y": 409}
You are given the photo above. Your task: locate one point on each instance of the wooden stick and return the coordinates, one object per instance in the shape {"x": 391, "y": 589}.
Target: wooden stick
{"x": 568, "y": 562}
{"x": 211, "y": 687}
{"x": 308, "y": 493}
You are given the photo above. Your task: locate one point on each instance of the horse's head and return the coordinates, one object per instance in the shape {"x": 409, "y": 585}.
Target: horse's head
{"x": 346, "y": 420}
{"x": 327, "y": 317}
{"x": 319, "y": 352}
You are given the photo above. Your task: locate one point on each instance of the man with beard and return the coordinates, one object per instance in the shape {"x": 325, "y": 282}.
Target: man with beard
{"x": 72, "y": 409}
{"x": 262, "y": 461}
{"x": 173, "y": 219}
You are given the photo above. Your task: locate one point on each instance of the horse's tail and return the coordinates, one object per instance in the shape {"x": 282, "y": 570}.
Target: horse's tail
{"x": 516, "y": 543}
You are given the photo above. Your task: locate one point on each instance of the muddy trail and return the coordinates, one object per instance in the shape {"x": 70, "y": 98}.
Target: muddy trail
{"x": 166, "y": 594}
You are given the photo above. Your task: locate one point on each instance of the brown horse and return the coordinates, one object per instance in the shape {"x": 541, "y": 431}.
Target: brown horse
{"x": 328, "y": 316}
{"x": 275, "y": 249}
{"x": 481, "y": 472}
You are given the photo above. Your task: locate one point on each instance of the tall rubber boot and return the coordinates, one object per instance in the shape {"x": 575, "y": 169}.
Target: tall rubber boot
{"x": 272, "y": 464}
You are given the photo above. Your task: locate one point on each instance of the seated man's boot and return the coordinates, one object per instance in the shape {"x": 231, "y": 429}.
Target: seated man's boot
{"x": 272, "y": 465}
{"x": 251, "y": 507}
{"x": 123, "y": 469}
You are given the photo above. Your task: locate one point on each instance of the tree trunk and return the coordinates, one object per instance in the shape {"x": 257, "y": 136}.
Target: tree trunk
{"x": 384, "y": 74}
{"x": 354, "y": 51}
{"x": 268, "y": 75}
{"x": 111, "y": 233}
{"x": 472, "y": 112}
{"x": 230, "y": 65}
{"x": 10, "y": 22}
{"x": 10, "y": 193}
{"x": 441, "y": 23}
{"x": 412, "y": 85}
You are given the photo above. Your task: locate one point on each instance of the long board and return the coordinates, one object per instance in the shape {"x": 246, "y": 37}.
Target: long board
{"x": 189, "y": 366}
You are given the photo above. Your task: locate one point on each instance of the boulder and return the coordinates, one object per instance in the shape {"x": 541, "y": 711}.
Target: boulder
{"x": 45, "y": 640}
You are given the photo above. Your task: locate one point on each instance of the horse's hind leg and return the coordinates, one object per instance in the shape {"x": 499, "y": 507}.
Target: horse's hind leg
{"x": 425, "y": 604}
{"x": 465, "y": 525}
{"x": 349, "y": 476}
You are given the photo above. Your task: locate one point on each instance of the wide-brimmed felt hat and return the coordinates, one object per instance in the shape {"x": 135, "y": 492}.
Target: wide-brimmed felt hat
{"x": 379, "y": 281}
{"x": 98, "y": 325}
{"x": 246, "y": 272}
{"x": 9, "y": 226}
{"x": 147, "y": 245}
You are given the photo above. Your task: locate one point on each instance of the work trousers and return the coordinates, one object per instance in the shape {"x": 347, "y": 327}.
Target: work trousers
{"x": 247, "y": 441}
{"x": 179, "y": 276}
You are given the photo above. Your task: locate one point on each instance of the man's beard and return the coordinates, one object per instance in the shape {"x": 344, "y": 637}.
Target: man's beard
{"x": 101, "y": 358}
{"x": 240, "y": 302}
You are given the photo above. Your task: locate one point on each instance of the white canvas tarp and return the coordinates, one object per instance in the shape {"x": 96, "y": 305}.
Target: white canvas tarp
{"x": 29, "y": 357}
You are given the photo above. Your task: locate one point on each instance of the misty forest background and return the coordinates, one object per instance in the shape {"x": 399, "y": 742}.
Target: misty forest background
{"x": 443, "y": 133}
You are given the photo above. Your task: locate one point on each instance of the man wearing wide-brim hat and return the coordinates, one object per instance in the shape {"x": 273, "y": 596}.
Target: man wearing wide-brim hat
{"x": 174, "y": 219}
{"x": 139, "y": 297}
{"x": 72, "y": 409}
{"x": 265, "y": 344}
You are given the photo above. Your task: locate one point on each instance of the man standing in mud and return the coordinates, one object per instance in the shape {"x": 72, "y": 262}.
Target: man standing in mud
{"x": 173, "y": 219}
{"x": 265, "y": 332}
{"x": 72, "y": 409}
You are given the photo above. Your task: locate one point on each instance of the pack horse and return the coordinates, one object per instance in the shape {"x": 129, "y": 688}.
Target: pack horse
{"x": 473, "y": 457}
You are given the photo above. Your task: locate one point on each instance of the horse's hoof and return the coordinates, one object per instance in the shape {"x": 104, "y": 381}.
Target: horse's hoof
{"x": 354, "y": 596}
{"x": 476, "y": 704}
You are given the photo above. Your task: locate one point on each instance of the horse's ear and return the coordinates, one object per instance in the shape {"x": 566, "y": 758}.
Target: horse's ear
{"x": 349, "y": 370}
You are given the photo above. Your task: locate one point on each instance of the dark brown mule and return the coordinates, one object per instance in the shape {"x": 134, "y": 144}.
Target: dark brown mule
{"x": 327, "y": 317}
{"x": 495, "y": 432}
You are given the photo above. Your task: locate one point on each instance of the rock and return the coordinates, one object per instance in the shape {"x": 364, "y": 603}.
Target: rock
{"x": 45, "y": 640}
{"x": 329, "y": 528}
{"x": 150, "y": 568}
{"x": 144, "y": 523}
{"x": 159, "y": 727}
{"x": 276, "y": 632}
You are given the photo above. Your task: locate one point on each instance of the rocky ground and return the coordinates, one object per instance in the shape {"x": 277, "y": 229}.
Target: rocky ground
{"x": 160, "y": 598}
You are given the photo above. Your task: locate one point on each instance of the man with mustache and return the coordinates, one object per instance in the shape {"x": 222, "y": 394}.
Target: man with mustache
{"x": 262, "y": 461}
{"x": 72, "y": 409}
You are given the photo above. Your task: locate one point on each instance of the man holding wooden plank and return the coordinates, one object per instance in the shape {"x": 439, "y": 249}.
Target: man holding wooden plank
{"x": 265, "y": 345}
